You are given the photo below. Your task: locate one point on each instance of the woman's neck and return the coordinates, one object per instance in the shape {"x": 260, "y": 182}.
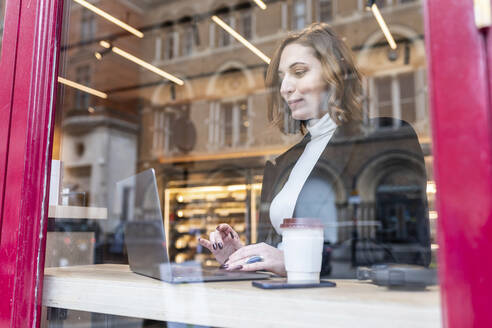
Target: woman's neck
{"x": 321, "y": 126}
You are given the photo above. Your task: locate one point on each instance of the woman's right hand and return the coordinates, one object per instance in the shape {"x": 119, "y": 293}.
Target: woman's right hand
{"x": 223, "y": 242}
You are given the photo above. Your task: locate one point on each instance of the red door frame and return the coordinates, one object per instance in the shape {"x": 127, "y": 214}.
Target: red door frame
{"x": 7, "y": 69}
{"x": 30, "y": 50}
{"x": 460, "y": 111}
{"x": 460, "y": 57}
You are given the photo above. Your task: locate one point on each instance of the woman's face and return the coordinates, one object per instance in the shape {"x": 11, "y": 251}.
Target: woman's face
{"x": 302, "y": 85}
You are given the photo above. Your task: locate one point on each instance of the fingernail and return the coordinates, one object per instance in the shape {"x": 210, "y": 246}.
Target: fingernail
{"x": 221, "y": 246}
{"x": 217, "y": 227}
{"x": 224, "y": 266}
{"x": 214, "y": 246}
{"x": 199, "y": 238}
{"x": 232, "y": 236}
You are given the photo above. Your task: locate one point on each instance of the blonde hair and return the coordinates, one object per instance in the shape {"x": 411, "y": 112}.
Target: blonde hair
{"x": 339, "y": 72}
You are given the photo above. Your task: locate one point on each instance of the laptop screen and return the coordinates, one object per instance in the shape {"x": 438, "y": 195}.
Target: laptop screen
{"x": 139, "y": 206}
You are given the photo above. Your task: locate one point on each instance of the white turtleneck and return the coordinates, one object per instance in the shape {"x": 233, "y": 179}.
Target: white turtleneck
{"x": 283, "y": 204}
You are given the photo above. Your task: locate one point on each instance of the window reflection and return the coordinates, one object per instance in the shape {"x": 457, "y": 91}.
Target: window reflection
{"x": 209, "y": 139}
{"x": 299, "y": 14}
{"x": 326, "y": 10}
{"x": 221, "y": 108}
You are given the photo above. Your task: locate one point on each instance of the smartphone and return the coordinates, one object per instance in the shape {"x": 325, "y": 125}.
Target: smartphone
{"x": 283, "y": 284}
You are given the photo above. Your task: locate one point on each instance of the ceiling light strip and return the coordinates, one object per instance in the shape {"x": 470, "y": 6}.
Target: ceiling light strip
{"x": 144, "y": 64}
{"x": 241, "y": 39}
{"x": 384, "y": 27}
{"x": 82, "y": 88}
{"x": 260, "y": 4}
{"x": 110, "y": 18}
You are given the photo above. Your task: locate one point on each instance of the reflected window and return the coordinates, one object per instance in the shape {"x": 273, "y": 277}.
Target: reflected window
{"x": 247, "y": 24}
{"x": 289, "y": 125}
{"x": 381, "y": 3}
{"x": 162, "y": 142}
{"x": 224, "y": 37}
{"x": 231, "y": 124}
{"x": 82, "y": 76}
{"x": 395, "y": 96}
{"x": 384, "y": 96}
{"x": 188, "y": 40}
{"x": 87, "y": 26}
{"x": 406, "y": 82}
{"x": 169, "y": 45}
{"x": 398, "y": 202}
{"x": 226, "y": 118}
{"x": 209, "y": 138}
{"x": 299, "y": 15}
{"x": 326, "y": 11}
{"x": 243, "y": 123}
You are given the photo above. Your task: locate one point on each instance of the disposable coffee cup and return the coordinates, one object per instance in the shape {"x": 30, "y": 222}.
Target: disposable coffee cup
{"x": 302, "y": 241}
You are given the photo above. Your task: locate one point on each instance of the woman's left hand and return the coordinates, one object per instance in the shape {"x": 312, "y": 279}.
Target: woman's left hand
{"x": 272, "y": 259}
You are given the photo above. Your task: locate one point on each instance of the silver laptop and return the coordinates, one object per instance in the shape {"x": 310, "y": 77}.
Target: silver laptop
{"x": 145, "y": 240}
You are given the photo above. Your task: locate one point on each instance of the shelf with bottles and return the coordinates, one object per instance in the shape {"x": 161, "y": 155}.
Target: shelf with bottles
{"x": 191, "y": 212}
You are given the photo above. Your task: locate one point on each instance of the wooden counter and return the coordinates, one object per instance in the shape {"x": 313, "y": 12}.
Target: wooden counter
{"x": 114, "y": 289}
{"x": 77, "y": 212}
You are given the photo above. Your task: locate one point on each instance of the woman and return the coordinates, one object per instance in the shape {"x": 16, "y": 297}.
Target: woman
{"x": 317, "y": 88}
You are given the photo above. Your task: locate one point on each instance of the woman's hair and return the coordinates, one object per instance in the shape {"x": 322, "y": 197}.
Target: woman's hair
{"x": 339, "y": 73}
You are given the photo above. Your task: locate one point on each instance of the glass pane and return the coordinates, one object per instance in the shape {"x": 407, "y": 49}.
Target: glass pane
{"x": 383, "y": 86}
{"x": 299, "y": 14}
{"x": 191, "y": 146}
{"x": 406, "y": 82}
{"x": 325, "y": 10}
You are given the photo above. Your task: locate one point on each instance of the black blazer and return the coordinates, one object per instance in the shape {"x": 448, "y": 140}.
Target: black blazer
{"x": 352, "y": 149}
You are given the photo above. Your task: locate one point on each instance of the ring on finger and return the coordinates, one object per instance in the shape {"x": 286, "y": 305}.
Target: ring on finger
{"x": 254, "y": 259}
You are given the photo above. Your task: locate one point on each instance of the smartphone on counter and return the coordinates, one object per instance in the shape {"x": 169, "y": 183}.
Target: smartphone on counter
{"x": 283, "y": 284}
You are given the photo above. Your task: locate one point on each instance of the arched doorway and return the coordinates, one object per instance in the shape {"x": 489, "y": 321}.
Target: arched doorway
{"x": 393, "y": 196}
{"x": 399, "y": 196}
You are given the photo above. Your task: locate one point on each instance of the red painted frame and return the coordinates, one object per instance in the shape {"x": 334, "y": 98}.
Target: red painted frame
{"x": 459, "y": 74}
{"x": 7, "y": 69}
{"x": 25, "y": 141}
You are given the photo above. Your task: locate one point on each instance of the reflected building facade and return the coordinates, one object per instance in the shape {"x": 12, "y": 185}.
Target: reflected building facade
{"x": 209, "y": 139}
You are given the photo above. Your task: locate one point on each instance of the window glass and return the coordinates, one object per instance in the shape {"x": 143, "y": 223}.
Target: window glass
{"x": 170, "y": 39}
{"x": 224, "y": 37}
{"x": 188, "y": 40}
{"x": 325, "y": 10}
{"x": 384, "y": 96}
{"x": 87, "y": 25}
{"x": 183, "y": 136}
{"x": 83, "y": 77}
{"x": 381, "y": 3}
{"x": 407, "y": 96}
{"x": 247, "y": 24}
{"x": 299, "y": 14}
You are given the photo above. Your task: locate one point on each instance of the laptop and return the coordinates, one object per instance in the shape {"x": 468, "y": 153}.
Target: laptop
{"x": 145, "y": 239}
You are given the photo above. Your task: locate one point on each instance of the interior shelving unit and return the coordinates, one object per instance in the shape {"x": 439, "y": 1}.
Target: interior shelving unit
{"x": 194, "y": 211}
